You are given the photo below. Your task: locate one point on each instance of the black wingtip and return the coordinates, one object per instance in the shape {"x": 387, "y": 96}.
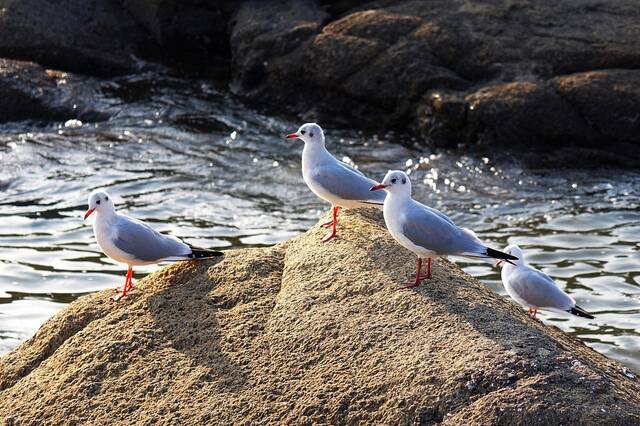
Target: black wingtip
{"x": 204, "y": 254}
{"x": 578, "y": 311}
{"x": 496, "y": 254}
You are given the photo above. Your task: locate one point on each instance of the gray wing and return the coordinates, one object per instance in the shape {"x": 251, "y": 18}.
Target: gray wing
{"x": 538, "y": 289}
{"x": 145, "y": 243}
{"x": 431, "y": 229}
{"x": 347, "y": 183}
{"x": 350, "y": 167}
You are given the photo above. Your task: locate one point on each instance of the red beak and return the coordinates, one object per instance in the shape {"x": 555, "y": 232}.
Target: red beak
{"x": 377, "y": 187}
{"x": 88, "y": 213}
{"x": 292, "y": 136}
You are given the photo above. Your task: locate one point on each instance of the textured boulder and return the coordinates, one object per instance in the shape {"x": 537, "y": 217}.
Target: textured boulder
{"x": 95, "y": 37}
{"x": 454, "y": 70}
{"x": 306, "y": 332}
{"x": 112, "y": 37}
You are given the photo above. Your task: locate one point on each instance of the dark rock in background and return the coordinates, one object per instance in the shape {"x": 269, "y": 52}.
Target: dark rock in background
{"x": 190, "y": 34}
{"x": 31, "y": 92}
{"x": 551, "y": 78}
{"x": 95, "y": 37}
{"x": 488, "y": 74}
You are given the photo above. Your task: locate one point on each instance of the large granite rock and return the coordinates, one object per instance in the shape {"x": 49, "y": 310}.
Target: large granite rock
{"x": 309, "y": 333}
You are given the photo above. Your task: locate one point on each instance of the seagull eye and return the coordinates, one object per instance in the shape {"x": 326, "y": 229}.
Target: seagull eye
{"x": 394, "y": 180}
{"x": 98, "y": 202}
{"x": 302, "y": 132}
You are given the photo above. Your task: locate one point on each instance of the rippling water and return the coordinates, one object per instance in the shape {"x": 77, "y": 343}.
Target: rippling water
{"x": 199, "y": 165}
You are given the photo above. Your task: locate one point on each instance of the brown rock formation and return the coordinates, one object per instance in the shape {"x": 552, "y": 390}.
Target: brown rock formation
{"x": 304, "y": 333}
{"x": 490, "y": 74}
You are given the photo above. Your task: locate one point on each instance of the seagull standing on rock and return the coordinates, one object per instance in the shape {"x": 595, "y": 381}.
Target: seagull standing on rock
{"x": 425, "y": 231}
{"x": 332, "y": 180}
{"x": 130, "y": 241}
{"x": 534, "y": 289}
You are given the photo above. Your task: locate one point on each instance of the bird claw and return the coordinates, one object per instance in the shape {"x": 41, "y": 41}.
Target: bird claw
{"x": 122, "y": 291}
{"x": 409, "y": 284}
{"x": 327, "y": 224}
{"x": 329, "y": 237}
{"x": 118, "y": 296}
{"x": 423, "y": 276}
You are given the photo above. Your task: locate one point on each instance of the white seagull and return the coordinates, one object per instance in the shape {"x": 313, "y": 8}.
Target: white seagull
{"x": 425, "y": 231}
{"x": 534, "y": 289}
{"x": 332, "y": 180}
{"x": 130, "y": 241}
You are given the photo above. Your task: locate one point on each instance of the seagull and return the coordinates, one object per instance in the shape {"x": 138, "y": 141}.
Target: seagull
{"x": 332, "y": 180}
{"x": 534, "y": 289}
{"x": 130, "y": 241}
{"x": 425, "y": 231}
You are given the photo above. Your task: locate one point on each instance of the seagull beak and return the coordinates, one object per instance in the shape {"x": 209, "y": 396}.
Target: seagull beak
{"x": 499, "y": 263}
{"x": 292, "y": 136}
{"x": 88, "y": 213}
{"x": 377, "y": 187}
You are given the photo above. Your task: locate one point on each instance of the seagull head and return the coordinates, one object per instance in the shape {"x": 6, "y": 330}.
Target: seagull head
{"x": 99, "y": 201}
{"x": 395, "y": 182}
{"x": 513, "y": 250}
{"x": 308, "y": 133}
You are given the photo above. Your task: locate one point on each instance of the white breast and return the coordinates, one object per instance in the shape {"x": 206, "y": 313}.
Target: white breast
{"x": 511, "y": 291}
{"x": 105, "y": 236}
{"x": 394, "y": 220}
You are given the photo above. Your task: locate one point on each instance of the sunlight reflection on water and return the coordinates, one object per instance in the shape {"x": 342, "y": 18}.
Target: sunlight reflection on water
{"x": 200, "y": 166}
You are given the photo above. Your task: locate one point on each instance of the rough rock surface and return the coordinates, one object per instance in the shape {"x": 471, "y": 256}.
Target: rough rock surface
{"x": 305, "y": 333}
{"x": 546, "y": 76}
{"x": 31, "y": 92}
{"x": 95, "y": 37}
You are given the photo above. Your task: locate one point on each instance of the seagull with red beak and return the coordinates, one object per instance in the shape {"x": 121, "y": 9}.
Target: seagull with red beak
{"x": 130, "y": 241}
{"x": 332, "y": 180}
{"x": 425, "y": 231}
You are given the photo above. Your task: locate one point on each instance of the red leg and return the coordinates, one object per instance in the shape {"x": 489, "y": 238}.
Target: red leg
{"x": 418, "y": 278}
{"x": 428, "y": 274}
{"x": 334, "y": 224}
{"x": 128, "y": 283}
{"x": 533, "y": 312}
{"x": 124, "y": 286}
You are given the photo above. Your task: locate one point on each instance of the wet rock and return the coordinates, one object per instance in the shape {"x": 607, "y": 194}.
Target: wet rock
{"x": 453, "y": 70}
{"x": 31, "y": 92}
{"x": 95, "y": 37}
{"x": 302, "y": 333}
{"x": 572, "y": 120}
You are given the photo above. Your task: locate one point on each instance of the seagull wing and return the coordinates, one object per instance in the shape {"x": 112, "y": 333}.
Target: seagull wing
{"x": 538, "y": 289}
{"x": 146, "y": 244}
{"x": 431, "y": 229}
{"x": 350, "y": 167}
{"x": 347, "y": 183}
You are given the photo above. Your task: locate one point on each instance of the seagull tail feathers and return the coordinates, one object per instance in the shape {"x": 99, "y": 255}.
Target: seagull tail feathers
{"x": 578, "y": 311}
{"x": 204, "y": 254}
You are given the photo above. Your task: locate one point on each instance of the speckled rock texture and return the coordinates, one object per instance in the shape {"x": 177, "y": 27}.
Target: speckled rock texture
{"x": 307, "y": 333}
